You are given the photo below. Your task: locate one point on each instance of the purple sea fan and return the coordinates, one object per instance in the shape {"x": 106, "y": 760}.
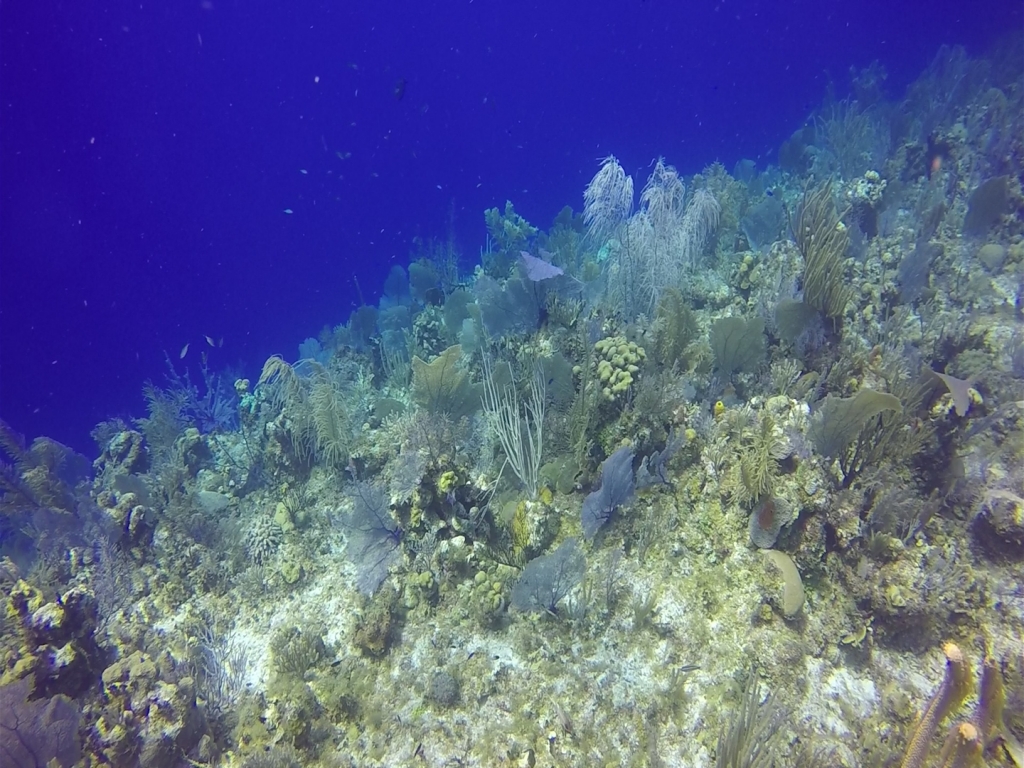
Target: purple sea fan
{"x": 538, "y": 269}
{"x": 374, "y": 536}
{"x": 39, "y": 731}
{"x": 617, "y": 486}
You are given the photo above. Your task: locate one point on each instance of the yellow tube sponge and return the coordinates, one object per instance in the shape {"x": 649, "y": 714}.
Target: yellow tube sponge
{"x": 963, "y": 747}
{"x": 951, "y": 693}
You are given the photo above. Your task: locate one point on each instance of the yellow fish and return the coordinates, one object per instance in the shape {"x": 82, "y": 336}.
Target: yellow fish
{"x": 184, "y": 351}
{"x": 210, "y": 341}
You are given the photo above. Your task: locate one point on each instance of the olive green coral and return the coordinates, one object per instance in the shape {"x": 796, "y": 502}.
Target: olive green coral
{"x": 447, "y": 482}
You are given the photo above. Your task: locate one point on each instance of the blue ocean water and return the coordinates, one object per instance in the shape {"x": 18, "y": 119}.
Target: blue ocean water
{"x": 149, "y": 153}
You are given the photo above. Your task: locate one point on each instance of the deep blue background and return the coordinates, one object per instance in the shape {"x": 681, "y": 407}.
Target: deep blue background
{"x": 148, "y": 151}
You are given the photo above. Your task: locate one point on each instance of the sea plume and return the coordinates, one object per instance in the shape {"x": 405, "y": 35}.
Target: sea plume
{"x": 607, "y": 200}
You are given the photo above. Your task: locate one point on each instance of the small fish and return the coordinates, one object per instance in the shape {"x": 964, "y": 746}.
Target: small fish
{"x": 184, "y": 351}
{"x": 400, "y": 88}
{"x": 288, "y": 211}
{"x": 210, "y": 341}
{"x": 564, "y": 720}
{"x": 938, "y": 152}
{"x": 303, "y": 171}
{"x": 769, "y": 193}
{"x": 220, "y": 342}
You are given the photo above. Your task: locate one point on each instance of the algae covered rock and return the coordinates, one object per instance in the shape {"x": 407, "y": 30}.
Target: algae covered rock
{"x": 60, "y": 652}
{"x": 378, "y": 626}
{"x": 992, "y": 256}
{"x": 443, "y": 689}
{"x": 291, "y": 571}
{"x": 159, "y": 722}
{"x": 134, "y": 518}
{"x": 998, "y": 526}
{"x": 126, "y": 452}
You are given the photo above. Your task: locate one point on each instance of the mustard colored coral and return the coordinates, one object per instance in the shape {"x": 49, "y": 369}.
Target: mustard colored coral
{"x": 447, "y": 482}
{"x": 617, "y": 363}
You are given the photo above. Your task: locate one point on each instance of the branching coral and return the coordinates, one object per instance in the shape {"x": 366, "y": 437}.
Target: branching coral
{"x": 331, "y": 419}
{"x": 519, "y": 429}
{"x": 749, "y": 740}
{"x": 262, "y": 539}
{"x": 758, "y": 466}
{"x": 318, "y": 421}
{"x": 822, "y": 240}
{"x": 675, "y": 328}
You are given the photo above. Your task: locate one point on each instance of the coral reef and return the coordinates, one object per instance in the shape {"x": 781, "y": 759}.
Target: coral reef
{"x": 585, "y": 505}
